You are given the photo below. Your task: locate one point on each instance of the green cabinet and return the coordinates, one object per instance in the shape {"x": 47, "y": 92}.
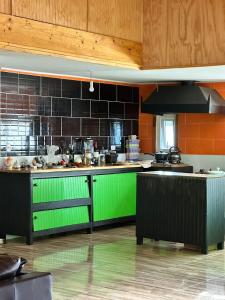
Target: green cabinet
{"x": 55, "y": 218}
{"x": 114, "y": 196}
{"x": 58, "y": 189}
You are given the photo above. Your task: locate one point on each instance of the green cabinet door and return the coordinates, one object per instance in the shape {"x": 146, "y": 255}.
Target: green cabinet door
{"x": 114, "y": 196}
{"x": 56, "y": 189}
{"x": 47, "y": 219}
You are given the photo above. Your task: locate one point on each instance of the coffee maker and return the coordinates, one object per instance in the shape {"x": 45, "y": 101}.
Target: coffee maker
{"x": 78, "y": 146}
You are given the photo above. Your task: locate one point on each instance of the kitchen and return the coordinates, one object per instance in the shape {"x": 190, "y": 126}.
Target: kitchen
{"x": 82, "y": 135}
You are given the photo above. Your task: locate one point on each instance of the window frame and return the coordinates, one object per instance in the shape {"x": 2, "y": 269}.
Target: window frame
{"x": 158, "y": 131}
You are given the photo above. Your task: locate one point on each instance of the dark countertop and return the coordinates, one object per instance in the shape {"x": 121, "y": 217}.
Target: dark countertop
{"x": 161, "y": 165}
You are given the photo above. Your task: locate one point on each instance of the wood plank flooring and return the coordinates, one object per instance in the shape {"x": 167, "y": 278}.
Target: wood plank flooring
{"x": 109, "y": 265}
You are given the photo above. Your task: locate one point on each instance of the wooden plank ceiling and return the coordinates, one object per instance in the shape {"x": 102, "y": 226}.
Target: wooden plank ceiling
{"x": 183, "y": 33}
{"x": 116, "y": 18}
{"x": 5, "y": 6}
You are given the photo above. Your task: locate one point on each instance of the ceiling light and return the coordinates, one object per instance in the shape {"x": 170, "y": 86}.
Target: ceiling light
{"x": 91, "y": 88}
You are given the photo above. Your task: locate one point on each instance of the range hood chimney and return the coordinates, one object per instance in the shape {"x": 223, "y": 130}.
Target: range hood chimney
{"x": 186, "y": 97}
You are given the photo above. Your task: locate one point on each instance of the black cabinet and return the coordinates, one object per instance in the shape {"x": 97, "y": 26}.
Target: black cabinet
{"x": 181, "y": 208}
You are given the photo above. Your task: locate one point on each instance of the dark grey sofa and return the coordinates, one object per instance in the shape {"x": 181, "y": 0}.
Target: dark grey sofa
{"x": 27, "y": 286}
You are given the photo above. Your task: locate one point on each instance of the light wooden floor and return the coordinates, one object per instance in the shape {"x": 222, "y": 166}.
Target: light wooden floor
{"x": 109, "y": 265}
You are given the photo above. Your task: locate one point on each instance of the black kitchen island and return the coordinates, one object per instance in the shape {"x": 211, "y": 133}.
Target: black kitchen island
{"x": 181, "y": 207}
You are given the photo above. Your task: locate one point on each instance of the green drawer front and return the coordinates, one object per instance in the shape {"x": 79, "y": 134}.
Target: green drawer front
{"x": 56, "y": 189}
{"x": 114, "y": 196}
{"x": 55, "y": 218}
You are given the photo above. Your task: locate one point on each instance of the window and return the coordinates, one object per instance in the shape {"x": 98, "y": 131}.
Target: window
{"x": 165, "y": 132}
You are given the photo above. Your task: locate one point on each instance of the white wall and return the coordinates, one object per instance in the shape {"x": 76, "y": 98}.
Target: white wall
{"x": 204, "y": 161}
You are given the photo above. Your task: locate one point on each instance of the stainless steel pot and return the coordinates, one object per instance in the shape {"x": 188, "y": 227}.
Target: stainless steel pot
{"x": 174, "y": 155}
{"x": 160, "y": 156}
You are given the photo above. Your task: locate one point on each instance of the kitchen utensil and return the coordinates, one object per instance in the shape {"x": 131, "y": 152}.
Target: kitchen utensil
{"x": 78, "y": 146}
{"x": 111, "y": 157}
{"x": 160, "y": 157}
{"x": 174, "y": 155}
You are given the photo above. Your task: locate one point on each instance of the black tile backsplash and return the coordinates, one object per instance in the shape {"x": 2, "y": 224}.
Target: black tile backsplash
{"x": 124, "y": 93}
{"x": 107, "y": 92}
{"x": 71, "y": 89}
{"x": 99, "y": 109}
{"x": 38, "y": 111}
{"x": 51, "y": 87}
{"x": 29, "y": 85}
{"x": 131, "y": 111}
{"x": 116, "y": 110}
{"x": 9, "y": 82}
{"x": 81, "y": 108}
{"x": 70, "y": 126}
{"x": 88, "y": 95}
{"x": 89, "y": 127}
{"x": 61, "y": 107}
{"x": 127, "y": 127}
{"x": 105, "y": 127}
{"x": 51, "y": 126}
{"x": 40, "y": 106}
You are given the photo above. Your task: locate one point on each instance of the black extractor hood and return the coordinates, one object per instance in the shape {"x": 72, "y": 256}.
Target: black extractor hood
{"x": 186, "y": 97}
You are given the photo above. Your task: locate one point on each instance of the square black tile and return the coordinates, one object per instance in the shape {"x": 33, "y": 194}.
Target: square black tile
{"x": 99, "y": 109}
{"x": 70, "y": 126}
{"x": 81, "y": 108}
{"x": 17, "y": 104}
{"x": 131, "y": 111}
{"x": 135, "y": 94}
{"x": 88, "y": 95}
{"x": 3, "y": 103}
{"x": 48, "y": 140}
{"x": 105, "y": 127}
{"x": 36, "y": 125}
{"x": 29, "y": 85}
{"x": 90, "y": 127}
{"x": 124, "y": 93}
{"x": 107, "y": 92}
{"x": 71, "y": 89}
{"x": 127, "y": 127}
{"x": 61, "y": 107}
{"x": 50, "y": 126}
{"x": 50, "y": 87}
{"x": 116, "y": 110}
{"x": 40, "y": 106}
{"x": 135, "y": 127}
{"x": 9, "y": 82}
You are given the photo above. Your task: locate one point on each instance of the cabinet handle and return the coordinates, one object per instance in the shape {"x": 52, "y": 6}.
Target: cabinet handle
{"x": 35, "y": 217}
{"x": 86, "y": 180}
{"x": 94, "y": 180}
{"x": 35, "y": 184}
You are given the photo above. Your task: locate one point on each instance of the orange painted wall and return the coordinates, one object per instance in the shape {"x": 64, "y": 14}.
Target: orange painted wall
{"x": 146, "y": 124}
{"x": 202, "y": 133}
{"x": 197, "y": 133}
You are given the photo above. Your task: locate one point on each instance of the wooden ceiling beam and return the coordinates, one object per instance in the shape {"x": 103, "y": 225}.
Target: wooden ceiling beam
{"x": 24, "y": 35}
